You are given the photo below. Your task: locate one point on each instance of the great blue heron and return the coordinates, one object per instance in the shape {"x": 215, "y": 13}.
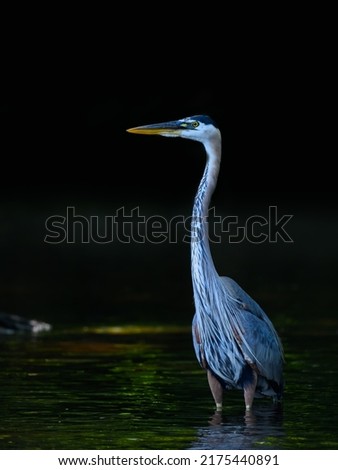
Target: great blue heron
{"x": 233, "y": 338}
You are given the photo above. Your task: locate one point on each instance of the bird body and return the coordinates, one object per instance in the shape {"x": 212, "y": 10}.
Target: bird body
{"x": 233, "y": 338}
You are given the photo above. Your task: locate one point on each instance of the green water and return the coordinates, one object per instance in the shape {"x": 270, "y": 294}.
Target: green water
{"x": 141, "y": 388}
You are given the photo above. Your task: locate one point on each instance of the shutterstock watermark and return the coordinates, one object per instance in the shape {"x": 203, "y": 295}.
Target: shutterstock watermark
{"x": 130, "y": 226}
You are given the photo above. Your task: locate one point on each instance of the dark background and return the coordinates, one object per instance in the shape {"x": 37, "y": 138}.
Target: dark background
{"x": 64, "y": 111}
{"x": 60, "y": 138}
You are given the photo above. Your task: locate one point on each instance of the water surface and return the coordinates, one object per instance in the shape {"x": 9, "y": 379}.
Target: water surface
{"x": 141, "y": 388}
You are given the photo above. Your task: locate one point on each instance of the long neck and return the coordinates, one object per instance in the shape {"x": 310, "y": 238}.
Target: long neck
{"x": 203, "y": 270}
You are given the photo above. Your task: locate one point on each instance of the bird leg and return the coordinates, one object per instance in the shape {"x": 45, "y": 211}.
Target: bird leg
{"x": 216, "y": 390}
{"x": 249, "y": 391}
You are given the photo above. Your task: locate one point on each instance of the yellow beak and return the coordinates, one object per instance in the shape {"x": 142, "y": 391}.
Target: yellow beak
{"x": 163, "y": 128}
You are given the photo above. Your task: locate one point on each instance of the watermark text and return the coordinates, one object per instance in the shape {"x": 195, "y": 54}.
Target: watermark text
{"x": 130, "y": 226}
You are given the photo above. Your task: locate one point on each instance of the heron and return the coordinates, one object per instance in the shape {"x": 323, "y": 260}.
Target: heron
{"x": 234, "y": 340}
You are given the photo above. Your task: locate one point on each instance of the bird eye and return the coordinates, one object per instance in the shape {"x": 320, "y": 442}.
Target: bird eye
{"x": 195, "y": 124}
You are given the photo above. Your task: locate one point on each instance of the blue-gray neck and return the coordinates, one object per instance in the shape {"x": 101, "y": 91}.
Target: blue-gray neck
{"x": 203, "y": 270}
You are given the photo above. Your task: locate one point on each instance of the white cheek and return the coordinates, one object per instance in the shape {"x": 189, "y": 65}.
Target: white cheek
{"x": 169, "y": 134}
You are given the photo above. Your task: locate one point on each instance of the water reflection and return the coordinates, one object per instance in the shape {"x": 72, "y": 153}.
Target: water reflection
{"x": 256, "y": 429}
{"x": 139, "y": 387}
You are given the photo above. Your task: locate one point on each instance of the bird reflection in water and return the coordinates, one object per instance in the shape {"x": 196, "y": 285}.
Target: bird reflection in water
{"x": 259, "y": 428}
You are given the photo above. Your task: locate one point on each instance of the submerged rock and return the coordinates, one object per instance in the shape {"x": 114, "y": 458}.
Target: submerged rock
{"x": 11, "y": 324}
